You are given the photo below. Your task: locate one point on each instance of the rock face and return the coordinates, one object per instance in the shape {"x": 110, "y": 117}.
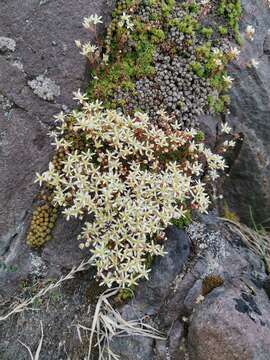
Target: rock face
{"x": 223, "y": 327}
{"x": 40, "y": 68}
{"x": 229, "y": 322}
{"x": 250, "y": 111}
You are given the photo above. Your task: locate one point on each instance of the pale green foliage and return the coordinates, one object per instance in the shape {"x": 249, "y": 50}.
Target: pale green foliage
{"x": 134, "y": 178}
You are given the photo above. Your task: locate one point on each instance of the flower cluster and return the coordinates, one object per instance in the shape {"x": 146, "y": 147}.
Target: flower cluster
{"x": 128, "y": 179}
{"x": 125, "y": 21}
{"x": 89, "y": 50}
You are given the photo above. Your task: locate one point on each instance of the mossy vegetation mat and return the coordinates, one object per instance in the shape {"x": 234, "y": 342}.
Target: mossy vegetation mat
{"x": 169, "y": 55}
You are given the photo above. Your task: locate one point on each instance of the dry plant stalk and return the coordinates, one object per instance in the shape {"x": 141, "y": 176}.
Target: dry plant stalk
{"x": 36, "y": 357}
{"x": 108, "y": 323}
{"x": 25, "y": 304}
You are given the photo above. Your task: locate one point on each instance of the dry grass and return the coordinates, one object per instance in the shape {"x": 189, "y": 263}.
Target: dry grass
{"x": 108, "y": 323}
{"x": 257, "y": 240}
{"x": 37, "y": 354}
{"x": 18, "y": 308}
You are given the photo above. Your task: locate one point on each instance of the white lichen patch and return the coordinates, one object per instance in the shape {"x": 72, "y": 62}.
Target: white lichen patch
{"x": 7, "y": 44}
{"x": 210, "y": 245}
{"x": 5, "y": 103}
{"x": 18, "y": 64}
{"x": 38, "y": 267}
{"x": 44, "y": 88}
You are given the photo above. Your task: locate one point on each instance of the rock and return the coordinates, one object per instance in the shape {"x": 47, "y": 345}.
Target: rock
{"x": 266, "y": 44}
{"x": 150, "y": 294}
{"x": 192, "y": 297}
{"x": 141, "y": 348}
{"x": 69, "y": 306}
{"x": 232, "y": 323}
{"x": 175, "y": 336}
{"x": 250, "y": 107}
{"x": 199, "y": 328}
{"x": 171, "y": 348}
{"x": 40, "y": 68}
{"x": 7, "y": 44}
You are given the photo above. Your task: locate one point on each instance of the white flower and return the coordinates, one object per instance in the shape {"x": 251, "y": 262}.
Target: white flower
{"x": 255, "y": 63}
{"x": 125, "y": 21}
{"x": 78, "y": 43}
{"x": 225, "y": 128}
{"x": 200, "y": 299}
{"x": 228, "y": 80}
{"x": 80, "y": 97}
{"x": 105, "y": 58}
{"x": 213, "y": 174}
{"x": 92, "y": 20}
{"x": 217, "y": 52}
{"x": 229, "y": 143}
{"x": 250, "y": 31}
{"x": 218, "y": 62}
{"x": 61, "y": 117}
{"x": 234, "y": 52}
{"x": 88, "y": 49}
{"x": 40, "y": 178}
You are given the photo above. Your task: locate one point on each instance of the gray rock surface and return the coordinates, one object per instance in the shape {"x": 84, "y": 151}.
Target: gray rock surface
{"x": 249, "y": 183}
{"x": 151, "y": 294}
{"x": 40, "y": 68}
{"x": 219, "y": 325}
{"x": 232, "y": 323}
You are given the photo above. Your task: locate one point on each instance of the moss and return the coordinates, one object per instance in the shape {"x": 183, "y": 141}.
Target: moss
{"x": 228, "y": 214}
{"x": 157, "y": 35}
{"x": 223, "y": 30}
{"x": 200, "y": 136}
{"x": 126, "y": 66}
{"x": 210, "y": 283}
{"x": 124, "y": 295}
{"x": 207, "y": 32}
{"x": 198, "y": 68}
{"x": 231, "y": 11}
{"x": 203, "y": 51}
{"x": 188, "y": 25}
{"x": 7, "y": 268}
{"x": 192, "y": 7}
{"x": 184, "y": 221}
{"x": 218, "y": 105}
{"x": 167, "y": 6}
{"x": 217, "y": 81}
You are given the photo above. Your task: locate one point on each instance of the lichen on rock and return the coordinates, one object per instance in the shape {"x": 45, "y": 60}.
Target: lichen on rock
{"x": 7, "y": 44}
{"x": 44, "y": 87}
